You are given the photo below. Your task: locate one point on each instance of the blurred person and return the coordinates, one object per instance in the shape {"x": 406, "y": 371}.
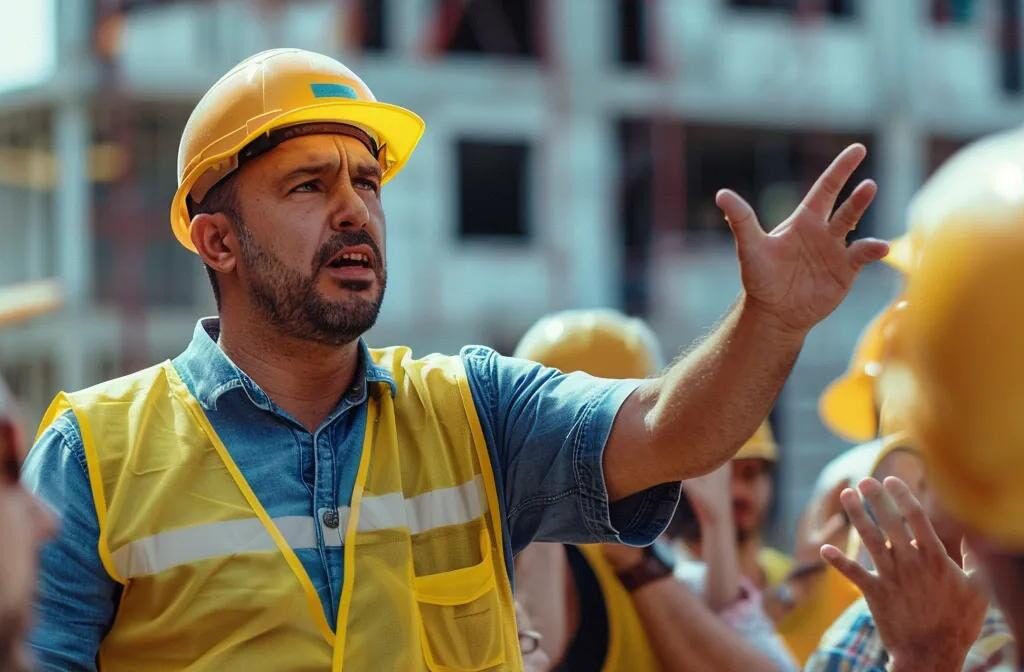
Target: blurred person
{"x": 281, "y": 496}
{"x": 853, "y": 642}
{"x": 25, "y": 524}
{"x": 752, "y": 491}
{"x": 965, "y": 363}
{"x": 590, "y": 604}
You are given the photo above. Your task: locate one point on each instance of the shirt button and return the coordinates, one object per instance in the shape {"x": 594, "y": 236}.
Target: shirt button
{"x": 330, "y": 518}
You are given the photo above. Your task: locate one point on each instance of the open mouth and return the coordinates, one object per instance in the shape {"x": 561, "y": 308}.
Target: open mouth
{"x": 351, "y": 260}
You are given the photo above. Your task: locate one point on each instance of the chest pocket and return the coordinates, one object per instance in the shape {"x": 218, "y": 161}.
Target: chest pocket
{"x": 460, "y": 615}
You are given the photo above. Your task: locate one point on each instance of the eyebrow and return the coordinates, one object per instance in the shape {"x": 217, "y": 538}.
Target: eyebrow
{"x": 312, "y": 168}
{"x": 319, "y": 167}
{"x": 369, "y": 170}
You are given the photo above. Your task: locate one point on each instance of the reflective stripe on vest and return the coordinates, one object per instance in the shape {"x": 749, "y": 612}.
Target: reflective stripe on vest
{"x": 159, "y": 552}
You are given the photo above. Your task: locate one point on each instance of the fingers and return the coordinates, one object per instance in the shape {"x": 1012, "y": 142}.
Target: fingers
{"x": 822, "y": 196}
{"x": 868, "y": 530}
{"x": 849, "y": 213}
{"x": 866, "y": 251}
{"x": 912, "y": 511}
{"x": 852, "y": 570}
{"x": 889, "y": 518}
{"x": 740, "y": 216}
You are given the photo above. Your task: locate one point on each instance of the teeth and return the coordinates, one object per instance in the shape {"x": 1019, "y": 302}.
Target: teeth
{"x": 356, "y": 256}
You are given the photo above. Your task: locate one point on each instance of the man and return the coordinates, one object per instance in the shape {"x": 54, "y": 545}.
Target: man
{"x": 24, "y": 523}
{"x": 282, "y": 497}
{"x": 965, "y": 363}
{"x": 612, "y": 607}
{"x": 752, "y": 485}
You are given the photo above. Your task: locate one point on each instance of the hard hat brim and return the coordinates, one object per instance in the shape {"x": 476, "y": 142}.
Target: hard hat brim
{"x": 847, "y": 407}
{"x": 397, "y": 128}
{"x": 29, "y": 299}
{"x": 900, "y": 254}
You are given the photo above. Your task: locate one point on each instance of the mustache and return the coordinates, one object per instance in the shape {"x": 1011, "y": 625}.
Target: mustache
{"x": 346, "y": 239}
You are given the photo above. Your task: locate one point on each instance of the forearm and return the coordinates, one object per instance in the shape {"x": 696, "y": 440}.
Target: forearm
{"x": 695, "y": 417}
{"x": 718, "y": 550}
{"x": 687, "y": 636}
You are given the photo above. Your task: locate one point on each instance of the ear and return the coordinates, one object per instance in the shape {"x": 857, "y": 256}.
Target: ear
{"x": 213, "y": 236}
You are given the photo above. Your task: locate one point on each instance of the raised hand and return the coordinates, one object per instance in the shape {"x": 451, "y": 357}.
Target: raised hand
{"x": 927, "y": 609}
{"x": 802, "y": 270}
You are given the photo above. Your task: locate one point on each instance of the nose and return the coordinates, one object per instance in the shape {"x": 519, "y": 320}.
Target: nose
{"x": 349, "y": 209}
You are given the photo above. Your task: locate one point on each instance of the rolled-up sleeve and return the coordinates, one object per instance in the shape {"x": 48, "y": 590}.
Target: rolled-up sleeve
{"x": 546, "y": 432}
{"x": 77, "y": 599}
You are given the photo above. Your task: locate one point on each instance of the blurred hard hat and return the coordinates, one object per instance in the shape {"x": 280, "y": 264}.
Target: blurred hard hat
{"x": 761, "y": 446}
{"x": 603, "y": 343}
{"x": 28, "y": 299}
{"x": 849, "y": 406}
{"x": 273, "y": 90}
{"x": 966, "y": 358}
{"x": 978, "y": 176}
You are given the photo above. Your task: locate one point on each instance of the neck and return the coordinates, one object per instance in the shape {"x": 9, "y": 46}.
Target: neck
{"x": 304, "y": 378}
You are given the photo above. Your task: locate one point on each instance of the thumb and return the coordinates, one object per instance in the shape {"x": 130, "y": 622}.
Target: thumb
{"x": 740, "y": 216}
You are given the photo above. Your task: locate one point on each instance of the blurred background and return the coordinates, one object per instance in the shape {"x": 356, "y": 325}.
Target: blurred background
{"x": 572, "y": 152}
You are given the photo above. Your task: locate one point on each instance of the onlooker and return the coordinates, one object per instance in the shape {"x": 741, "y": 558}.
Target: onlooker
{"x": 24, "y": 523}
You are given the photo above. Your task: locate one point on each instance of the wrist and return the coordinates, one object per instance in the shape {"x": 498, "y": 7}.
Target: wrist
{"x": 765, "y": 321}
{"x": 936, "y": 656}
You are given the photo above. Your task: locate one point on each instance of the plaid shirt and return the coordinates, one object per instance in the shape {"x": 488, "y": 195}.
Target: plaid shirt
{"x": 852, "y": 644}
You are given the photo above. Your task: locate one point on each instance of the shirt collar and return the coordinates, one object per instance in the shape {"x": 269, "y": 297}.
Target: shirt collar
{"x": 210, "y": 373}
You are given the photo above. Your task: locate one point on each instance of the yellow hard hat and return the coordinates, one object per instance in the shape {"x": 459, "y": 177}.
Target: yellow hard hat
{"x": 849, "y": 405}
{"x": 965, "y": 354}
{"x": 603, "y": 343}
{"x": 273, "y": 90}
{"x": 28, "y": 299}
{"x": 983, "y": 169}
{"x": 761, "y": 446}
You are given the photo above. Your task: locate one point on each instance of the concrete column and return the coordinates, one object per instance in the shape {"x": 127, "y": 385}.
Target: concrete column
{"x": 72, "y": 137}
{"x": 581, "y": 165}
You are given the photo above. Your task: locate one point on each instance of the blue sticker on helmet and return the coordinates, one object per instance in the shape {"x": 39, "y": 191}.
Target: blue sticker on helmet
{"x": 330, "y": 90}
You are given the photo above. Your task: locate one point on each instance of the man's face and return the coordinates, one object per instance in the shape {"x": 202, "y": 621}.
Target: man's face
{"x": 751, "y": 485}
{"x": 311, "y": 237}
{"x": 24, "y": 526}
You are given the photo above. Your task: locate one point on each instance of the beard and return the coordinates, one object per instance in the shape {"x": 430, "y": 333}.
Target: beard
{"x": 291, "y": 302}
{"x": 13, "y": 654}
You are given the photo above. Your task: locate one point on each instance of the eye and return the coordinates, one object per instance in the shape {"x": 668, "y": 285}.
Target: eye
{"x": 310, "y": 187}
{"x": 363, "y": 183}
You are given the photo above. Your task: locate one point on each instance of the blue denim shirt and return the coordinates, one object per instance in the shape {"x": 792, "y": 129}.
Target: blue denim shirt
{"x": 545, "y": 431}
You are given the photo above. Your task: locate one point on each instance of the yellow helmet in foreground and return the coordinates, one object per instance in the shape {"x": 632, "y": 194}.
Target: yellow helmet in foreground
{"x": 275, "y": 90}
{"x": 963, "y": 338}
{"x": 603, "y": 343}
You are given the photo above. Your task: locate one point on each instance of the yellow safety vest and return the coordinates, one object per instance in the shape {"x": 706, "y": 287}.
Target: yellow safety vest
{"x": 211, "y": 581}
{"x": 628, "y": 646}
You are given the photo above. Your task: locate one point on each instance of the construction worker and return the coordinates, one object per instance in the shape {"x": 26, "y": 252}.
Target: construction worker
{"x": 280, "y": 496}
{"x": 24, "y": 523}
{"x": 965, "y": 364}
{"x": 753, "y": 488}
{"x": 605, "y": 607}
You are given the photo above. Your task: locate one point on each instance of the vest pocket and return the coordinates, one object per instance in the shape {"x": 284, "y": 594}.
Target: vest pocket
{"x": 460, "y": 617}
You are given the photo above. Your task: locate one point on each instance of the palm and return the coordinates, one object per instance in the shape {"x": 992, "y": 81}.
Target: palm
{"x": 803, "y": 269}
